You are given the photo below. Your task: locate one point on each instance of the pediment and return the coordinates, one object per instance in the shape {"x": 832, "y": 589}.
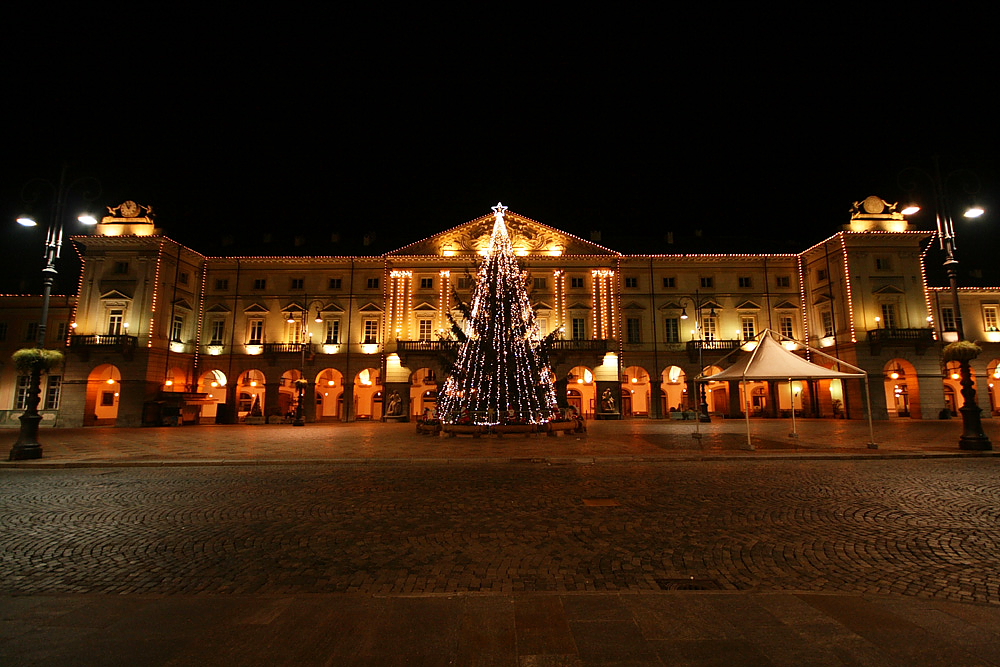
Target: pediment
{"x": 888, "y": 289}
{"x": 182, "y": 303}
{"x": 293, "y": 307}
{"x": 579, "y": 306}
{"x": 748, "y": 305}
{"x": 217, "y": 308}
{"x": 541, "y": 305}
{"x": 786, "y": 305}
{"x": 370, "y": 308}
{"x": 425, "y": 306}
{"x": 632, "y": 305}
{"x": 708, "y": 305}
{"x": 115, "y": 294}
{"x": 332, "y": 308}
{"x": 528, "y": 236}
{"x": 255, "y": 308}
{"x": 671, "y": 305}
{"x": 822, "y": 298}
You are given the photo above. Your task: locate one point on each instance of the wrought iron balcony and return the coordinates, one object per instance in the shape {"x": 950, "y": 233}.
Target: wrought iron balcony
{"x": 572, "y": 345}
{"x": 287, "y": 348}
{"x": 919, "y": 339}
{"x": 88, "y": 341}
{"x": 403, "y": 346}
{"x": 700, "y": 348}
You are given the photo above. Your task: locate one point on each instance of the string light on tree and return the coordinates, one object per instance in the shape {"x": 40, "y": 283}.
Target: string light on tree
{"x": 501, "y": 373}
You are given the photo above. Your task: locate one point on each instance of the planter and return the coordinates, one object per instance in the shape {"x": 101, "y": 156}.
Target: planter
{"x": 460, "y": 429}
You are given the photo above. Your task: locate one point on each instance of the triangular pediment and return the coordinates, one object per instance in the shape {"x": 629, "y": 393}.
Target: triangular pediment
{"x": 292, "y": 307}
{"x": 888, "y": 289}
{"x": 748, "y": 305}
{"x": 579, "y": 306}
{"x": 370, "y": 308}
{"x": 332, "y": 308}
{"x": 115, "y": 294}
{"x": 822, "y": 298}
{"x": 425, "y": 306}
{"x": 786, "y": 305}
{"x": 671, "y": 305}
{"x": 217, "y": 308}
{"x": 182, "y": 303}
{"x": 632, "y": 305}
{"x": 255, "y": 308}
{"x": 528, "y": 236}
{"x": 708, "y": 305}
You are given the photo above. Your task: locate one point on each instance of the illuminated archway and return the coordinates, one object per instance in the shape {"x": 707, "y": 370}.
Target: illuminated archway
{"x": 103, "y": 393}
{"x": 368, "y": 394}
{"x": 953, "y": 386}
{"x": 673, "y": 382}
{"x": 213, "y": 384}
{"x": 329, "y": 395}
{"x": 423, "y": 392}
{"x": 175, "y": 380}
{"x": 635, "y": 392}
{"x": 581, "y": 379}
{"x": 993, "y": 384}
{"x": 902, "y": 391}
{"x": 250, "y": 394}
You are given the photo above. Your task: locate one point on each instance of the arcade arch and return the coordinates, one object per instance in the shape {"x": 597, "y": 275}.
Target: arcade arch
{"x": 581, "y": 379}
{"x": 103, "y": 394}
{"x": 368, "y": 394}
{"x": 902, "y": 390}
{"x": 329, "y": 395}
{"x": 250, "y": 394}
{"x": 213, "y": 384}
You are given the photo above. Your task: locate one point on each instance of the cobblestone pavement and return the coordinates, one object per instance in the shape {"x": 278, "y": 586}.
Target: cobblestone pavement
{"x": 916, "y": 527}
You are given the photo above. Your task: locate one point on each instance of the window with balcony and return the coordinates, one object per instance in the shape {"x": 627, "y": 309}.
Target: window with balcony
{"x": 332, "y": 336}
{"x": 370, "y": 332}
{"x": 633, "y": 330}
{"x": 579, "y": 326}
{"x": 255, "y": 331}
{"x": 991, "y": 318}
{"x": 116, "y": 321}
{"x": 21, "y": 395}
{"x": 710, "y": 327}
{"x": 748, "y": 326}
{"x": 888, "y": 315}
{"x": 786, "y": 326}
{"x": 177, "y": 328}
{"x": 672, "y": 330}
{"x": 425, "y": 328}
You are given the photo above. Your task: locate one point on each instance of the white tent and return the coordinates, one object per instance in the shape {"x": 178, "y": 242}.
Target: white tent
{"x": 769, "y": 360}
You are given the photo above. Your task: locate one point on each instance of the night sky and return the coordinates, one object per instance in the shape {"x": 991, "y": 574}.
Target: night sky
{"x": 733, "y": 130}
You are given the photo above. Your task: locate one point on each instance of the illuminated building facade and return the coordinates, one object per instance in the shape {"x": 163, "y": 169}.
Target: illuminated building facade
{"x": 160, "y": 333}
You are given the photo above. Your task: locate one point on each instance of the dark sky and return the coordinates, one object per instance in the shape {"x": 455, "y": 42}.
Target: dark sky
{"x": 758, "y": 128}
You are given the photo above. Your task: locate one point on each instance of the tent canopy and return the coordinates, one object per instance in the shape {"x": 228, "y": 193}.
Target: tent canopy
{"x": 771, "y": 361}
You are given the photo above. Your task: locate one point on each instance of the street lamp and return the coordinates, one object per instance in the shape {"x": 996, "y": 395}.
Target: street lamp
{"x": 27, "y": 445}
{"x": 305, "y": 341}
{"x": 699, "y": 326}
{"x": 972, "y": 437}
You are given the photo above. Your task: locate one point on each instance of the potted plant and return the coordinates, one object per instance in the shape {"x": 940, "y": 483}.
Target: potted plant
{"x": 32, "y": 361}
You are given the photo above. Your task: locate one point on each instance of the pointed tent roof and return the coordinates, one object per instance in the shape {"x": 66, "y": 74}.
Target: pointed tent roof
{"x": 771, "y": 361}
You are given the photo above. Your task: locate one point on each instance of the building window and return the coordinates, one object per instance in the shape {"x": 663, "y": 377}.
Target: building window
{"x": 748, "y": 326}
{"x": 746, "y": 281}
{"x": 335, "y": 283}
{"x": 371, "y": 331}
{"x": 631, "y": 282}
{"x": 176, "y": 327}
{"x": 883, "y": 264}
{"x": 948, "y": 319}
{"x": 218, "y": 329}
{"x": 183, "y": 278}
{"x": 821, "y": 275}
{"x": 32, "y": 332}
{"x": 991, "y": 318}
{"x": 107, "y": 399}
{"x": 116, "y": 321}
{"x": 53, "y": 392}
{"x": 540, "y": 283}
{"x": 672, "y": 330}
{"x": 293, "y": 331}
{"x": 783, "y": 281}
{"x": 670, "y": 282}
{"x": 260, "y": 283}
{"x": 3, "y": 331}
{"x": 827, "y": 318}
{"x": 221, "y": 284}
{"x": 425, "y": 328}
{"x": 710, "y": 327}
{"x": 21, "y": 397}
{"x": 332, "y": 332}
{"x": 579, "y": 328}
{"x": 298, "y": 283}
{"x": 889, "y": 315}
{"x": 576, "y": 283}
{"x": 464, "y": 283}
{"x": 255, "y": 330}
{"x": 373, "y": 283}
{"x": 707, "y": 282}
{"x": 786, "y": 326}
{"x": 62, "y": 330}
{"x": 121, "y": 268}
{"x": 426, "y": 283}
{"x": 543, "y": 325}
{"x": 633, "y": 330}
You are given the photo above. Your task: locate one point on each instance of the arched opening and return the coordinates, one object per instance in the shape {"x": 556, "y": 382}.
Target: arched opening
{"x": 103, "y": 393}
{"x": 213, "y": 384}
{"x": 993, "y": 374}
{"x": 329, "y": 395}
{"x": 674, "y": 386}
{"x": 250, "y": 394}
{"x": 902, "y": 391}
{"x": 953, "y": 386}
{"x": 716, "y": 393}
{"x": 288, "y": 394}
{"x": 175, "y": 380}
{"x": 423, "y": 393}
{"x": 581, "y": 379}
{"x": 635, "y": 392}
{"x": 368, "y": 394}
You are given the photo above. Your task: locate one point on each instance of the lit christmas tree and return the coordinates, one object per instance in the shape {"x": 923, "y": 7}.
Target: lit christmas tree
{"x": 501, "y": 374}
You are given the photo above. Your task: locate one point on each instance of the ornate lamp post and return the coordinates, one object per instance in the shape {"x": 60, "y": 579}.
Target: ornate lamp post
{"x": 972, "y": 437}
{"x": 27, "y": 445}
{"x": 697, "y": 303}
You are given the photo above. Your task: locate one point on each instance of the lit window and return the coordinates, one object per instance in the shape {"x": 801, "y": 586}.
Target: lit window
{"x": 579, "y": 328}
{"x": 425, "y": 328}
{"x": 786, "y": 326}
{"x": 748, "y": 325}
{"x": 371, "y": 331}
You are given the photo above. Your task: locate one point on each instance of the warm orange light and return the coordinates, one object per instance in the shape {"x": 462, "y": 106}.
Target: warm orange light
{"x": 110, "y": 381}
{"x": 955, "y": 376}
